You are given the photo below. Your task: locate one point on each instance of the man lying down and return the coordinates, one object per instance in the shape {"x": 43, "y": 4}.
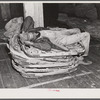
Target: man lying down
{"x": 44, "y": 39}
{"x": 47, "y": 38}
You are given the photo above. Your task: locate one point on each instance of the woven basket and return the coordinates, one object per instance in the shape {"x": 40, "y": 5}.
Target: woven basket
{"x": 48, "y": 63}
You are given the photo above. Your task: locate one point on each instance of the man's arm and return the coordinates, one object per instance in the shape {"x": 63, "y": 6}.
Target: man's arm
{"x": 42, "y": 46}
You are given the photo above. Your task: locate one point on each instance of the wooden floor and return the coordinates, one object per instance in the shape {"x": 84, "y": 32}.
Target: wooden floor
{"x": 83, "y": 77}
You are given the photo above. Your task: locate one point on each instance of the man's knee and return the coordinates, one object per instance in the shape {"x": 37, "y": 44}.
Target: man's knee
{"x": 86, "y": 35}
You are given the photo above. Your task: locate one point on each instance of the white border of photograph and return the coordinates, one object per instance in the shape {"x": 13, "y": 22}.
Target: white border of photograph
{"x": 49, "y": 93}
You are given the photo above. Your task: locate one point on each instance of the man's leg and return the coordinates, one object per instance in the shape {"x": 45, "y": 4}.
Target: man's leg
{"x": 62, "y": 38}
{"x": 71, "y": 31}
{"x": 83, "y": 37}
{"x": 86, "y": 42}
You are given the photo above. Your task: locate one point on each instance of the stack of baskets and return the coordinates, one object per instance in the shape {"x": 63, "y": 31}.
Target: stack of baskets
{"x": 46, "y": 63}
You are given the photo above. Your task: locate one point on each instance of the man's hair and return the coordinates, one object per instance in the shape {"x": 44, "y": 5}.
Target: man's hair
{"x": 35, "y": 31}
{"x": 38, "y": 34}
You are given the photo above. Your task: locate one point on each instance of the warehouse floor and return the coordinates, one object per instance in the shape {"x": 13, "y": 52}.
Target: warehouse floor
{"x": 83, "y": 77}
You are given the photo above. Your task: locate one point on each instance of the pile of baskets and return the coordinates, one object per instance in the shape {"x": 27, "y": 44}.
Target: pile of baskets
{"x": 46, "y": 63}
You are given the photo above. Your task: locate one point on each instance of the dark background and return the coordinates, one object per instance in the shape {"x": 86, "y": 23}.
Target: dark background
{"x": 51, "y": 12}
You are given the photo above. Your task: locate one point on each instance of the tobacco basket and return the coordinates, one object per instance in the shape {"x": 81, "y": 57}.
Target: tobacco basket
{"x": 48, "y": 63}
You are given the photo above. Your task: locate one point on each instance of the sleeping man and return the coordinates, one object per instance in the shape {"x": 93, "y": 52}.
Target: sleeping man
{"x": 57, "y": 38}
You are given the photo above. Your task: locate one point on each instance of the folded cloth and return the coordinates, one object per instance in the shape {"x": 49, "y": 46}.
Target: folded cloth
{"x": 13, "y": 27}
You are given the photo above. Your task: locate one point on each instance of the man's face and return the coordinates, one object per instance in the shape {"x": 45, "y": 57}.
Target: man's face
{"x": 28, "y": 36}
{"x": 33, "y": 35}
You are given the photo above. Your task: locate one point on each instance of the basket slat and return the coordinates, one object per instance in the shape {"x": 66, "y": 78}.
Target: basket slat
{"x": 48, "y": 64}
{"x": 60, "y": 71}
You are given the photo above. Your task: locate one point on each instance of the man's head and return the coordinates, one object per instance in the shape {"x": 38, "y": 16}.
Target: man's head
{"x": 34, "y": 35}
{"x": 29, "y": 36}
